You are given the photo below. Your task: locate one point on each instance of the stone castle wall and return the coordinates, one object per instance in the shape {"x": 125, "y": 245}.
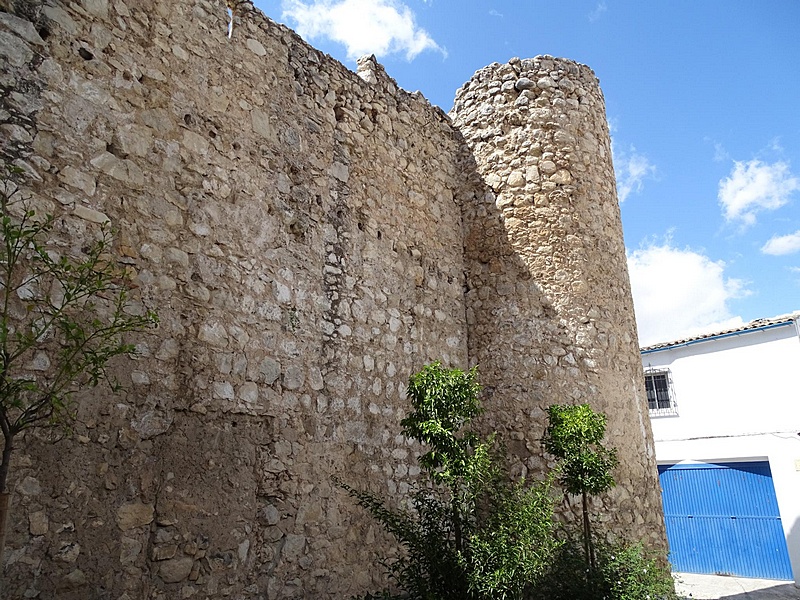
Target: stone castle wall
{"x": 306, "y": 236}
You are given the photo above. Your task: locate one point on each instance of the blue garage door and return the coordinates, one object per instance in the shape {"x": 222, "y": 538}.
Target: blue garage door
{"x": 723, "y": 518}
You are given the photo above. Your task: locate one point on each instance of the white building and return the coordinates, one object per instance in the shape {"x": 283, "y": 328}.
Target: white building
{"x": 725, "y": 412}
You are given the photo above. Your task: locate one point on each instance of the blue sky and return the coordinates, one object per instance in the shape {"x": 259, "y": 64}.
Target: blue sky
{"x": 703, "y": 102}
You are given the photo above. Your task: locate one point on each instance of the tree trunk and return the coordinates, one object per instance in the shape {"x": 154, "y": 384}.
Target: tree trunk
{"x": 5, "y": 497}
{"x": 588, "y": 546}
{"x": 5, "y": 508}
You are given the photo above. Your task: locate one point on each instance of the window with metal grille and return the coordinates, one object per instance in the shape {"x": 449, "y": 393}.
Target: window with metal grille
{"x": 660, "y": 396}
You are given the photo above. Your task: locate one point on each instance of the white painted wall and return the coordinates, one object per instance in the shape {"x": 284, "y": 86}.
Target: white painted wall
{"x": 738, "y": 399}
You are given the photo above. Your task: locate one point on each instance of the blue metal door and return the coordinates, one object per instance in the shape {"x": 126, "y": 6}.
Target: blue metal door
{"x": 724, "y": 519}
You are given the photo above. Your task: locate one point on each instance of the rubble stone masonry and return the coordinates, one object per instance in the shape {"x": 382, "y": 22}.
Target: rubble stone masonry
{"x": 549, "y": 310}
{"x": 309, "y": 237}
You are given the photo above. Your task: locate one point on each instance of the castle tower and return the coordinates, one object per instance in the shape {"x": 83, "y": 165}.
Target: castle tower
{"x": 549, "y": 306}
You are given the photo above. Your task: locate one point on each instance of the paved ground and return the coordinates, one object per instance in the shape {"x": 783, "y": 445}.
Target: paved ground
{"x": 717, "y": 587}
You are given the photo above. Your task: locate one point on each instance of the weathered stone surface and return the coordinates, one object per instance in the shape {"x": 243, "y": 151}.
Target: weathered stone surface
{"x": 129, "y": 551}
{"x": 14, "y": 50}
{"x": 134, "y": 514}
{"x": 10, "y": 133}
{"x": 272, "y": 515}
{"x": 77, "y": 179}
{"x": 98, "y": 8}
{"x": 68, "y": 552}
{"x": 516, "y": 179}
{"x": 523, "y": 83}
{"x": 89, "y": 214}
{"x": 561, "y": 177}
{"x": 164, "y": 552}
{"x": 21, "y": 27}
{"x": 270, "y": 370}
{"x": 152, "y": 423}
{"x": 39, "y": 523}
{"x": 340, "y": 172}
{"x": 40, "y": 362}
{"x": 261, "y": 124}
{"x": 29, "y": 486}
{"x": 556, "y": 275}
{"x": 294, "y": 546}
{"x": 256, "y": 47}
{"x": 176, "y": 569}
{"x": 73, "y": 580}
{"x": 294, "y": 377}
{"x": 124, "y": 170}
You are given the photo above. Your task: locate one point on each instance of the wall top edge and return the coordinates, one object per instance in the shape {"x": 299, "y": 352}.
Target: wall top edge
{"x": 523, "y": 68}
{"x": 370, "y": 73}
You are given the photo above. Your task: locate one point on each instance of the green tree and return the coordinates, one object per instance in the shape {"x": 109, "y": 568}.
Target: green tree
{"x": 470, "y": 533}
{"x": 574, "y": 435}
{"x": 62, "y": 319}
{"x": 443, "y": 402}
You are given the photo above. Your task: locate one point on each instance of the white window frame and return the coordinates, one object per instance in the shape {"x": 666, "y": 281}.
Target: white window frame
{"x": 668, "y": 411}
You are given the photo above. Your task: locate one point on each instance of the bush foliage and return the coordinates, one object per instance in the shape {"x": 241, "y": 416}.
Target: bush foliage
{"x": 471, "y": 533}
{"x": 624, "y": 571}
{"x": 574, "y": 435}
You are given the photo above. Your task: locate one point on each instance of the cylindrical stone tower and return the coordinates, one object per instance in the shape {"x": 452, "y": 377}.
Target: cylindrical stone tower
{"x": 549, "y": 304}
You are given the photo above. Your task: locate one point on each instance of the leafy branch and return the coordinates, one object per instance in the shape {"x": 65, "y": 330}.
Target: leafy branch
{"x": 62, "y": 319}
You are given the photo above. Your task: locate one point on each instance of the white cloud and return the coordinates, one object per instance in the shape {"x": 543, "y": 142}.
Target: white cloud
{"x": 680, "y": 293}
{"x": 379, "y": 27}
{"x": 775, "y": 145}
{"x": 720, "y": 153}
{"x": 779, "y": 245}
{"x": 755, "y": 186}
{"x": 598, "y": 11}
{"x": 631, "y": 169}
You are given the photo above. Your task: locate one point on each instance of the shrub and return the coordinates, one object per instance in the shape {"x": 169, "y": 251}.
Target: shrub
{"x": 470, "y": 533}
{"x": 623, "y": 571}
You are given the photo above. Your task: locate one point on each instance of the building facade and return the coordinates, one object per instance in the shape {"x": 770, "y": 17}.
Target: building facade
{"x": 725, "y": 413}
